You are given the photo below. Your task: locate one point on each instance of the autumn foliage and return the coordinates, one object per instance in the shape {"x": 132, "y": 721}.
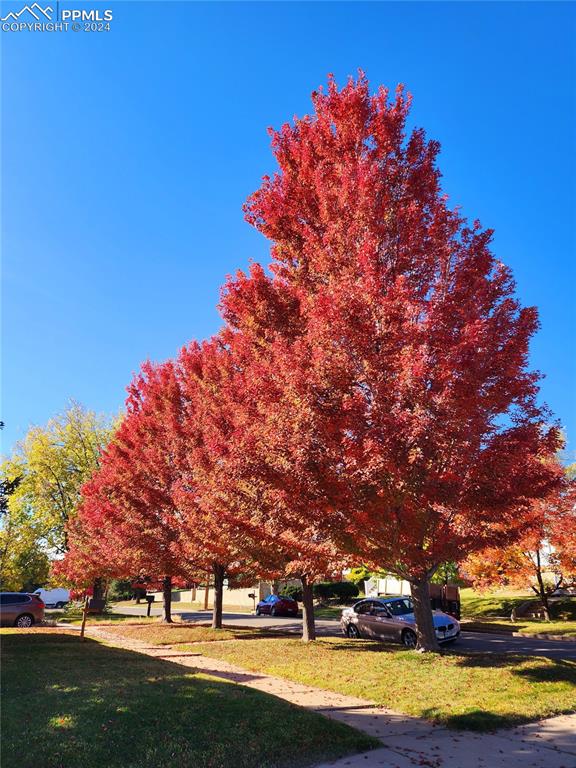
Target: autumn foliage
{"x": 369, "y": 398}
{"x": 542, "y": 558}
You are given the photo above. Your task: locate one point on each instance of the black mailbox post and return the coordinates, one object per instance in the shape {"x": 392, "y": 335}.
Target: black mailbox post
{"x": 149, "y": 599}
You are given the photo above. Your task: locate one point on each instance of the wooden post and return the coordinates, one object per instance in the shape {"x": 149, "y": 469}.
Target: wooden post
{"x": 84, "y": 615}
{"x": 207, "y": 593}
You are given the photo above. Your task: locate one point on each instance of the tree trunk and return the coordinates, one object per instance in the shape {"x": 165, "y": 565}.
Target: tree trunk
{"x": 542, "y": 589}
{"x": 308, "y": 625}
{"x": 219, "y": 573}
{"x": 423, "y": 613}
{"x": 167, "y": 600}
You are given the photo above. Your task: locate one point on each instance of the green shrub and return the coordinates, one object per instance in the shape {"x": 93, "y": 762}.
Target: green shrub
{"x": 324, "y": 590}
{"x": 292, "y": 590}
{"x": 345, "y": 590}
{"x": 120, "y": 589}
{"x": 340, "y": 590}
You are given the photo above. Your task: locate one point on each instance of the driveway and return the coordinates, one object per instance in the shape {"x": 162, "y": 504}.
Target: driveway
{"x": 468, "y": 641}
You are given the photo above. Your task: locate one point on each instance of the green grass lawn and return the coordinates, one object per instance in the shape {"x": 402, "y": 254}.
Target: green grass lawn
{"x": 490, "y": 611}
{"x": 163, "y": 634}
{"x": 176, "y": 604}
{"x": 475, "y": 691}
{"x": 329, "y": 611}
{"x": 69, "y": 704}
{"x": 75, "y": 617}
{"x": 498, "y": 603}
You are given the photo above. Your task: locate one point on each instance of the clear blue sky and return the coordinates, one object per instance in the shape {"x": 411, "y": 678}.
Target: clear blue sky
{"x": 127, "y": 157}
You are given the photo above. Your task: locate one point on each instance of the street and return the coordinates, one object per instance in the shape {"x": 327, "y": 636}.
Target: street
{"x": 468, "y": 641}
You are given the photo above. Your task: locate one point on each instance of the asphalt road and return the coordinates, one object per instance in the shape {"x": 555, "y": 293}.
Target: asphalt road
{"x": 468, "y": 641}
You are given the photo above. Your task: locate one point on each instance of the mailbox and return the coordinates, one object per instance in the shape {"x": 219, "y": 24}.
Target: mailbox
{"x": 96, "y": 605}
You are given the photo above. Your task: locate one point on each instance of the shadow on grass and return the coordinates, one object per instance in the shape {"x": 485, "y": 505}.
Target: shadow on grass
{"x": 563, "y": 671}
{"x": 364, "y": 646}
{"x": 546, "y": 670}
{"x": 480, "y": 720}
{"x": 84, "y": 704}
{"x": 489, "y": 659}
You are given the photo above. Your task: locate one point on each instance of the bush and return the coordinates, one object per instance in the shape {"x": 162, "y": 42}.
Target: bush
{"x": 120, "y": 589}
{"x": 323, "y": 590}
{"x": 345, "y": 590}
{"x": 292, "y": 590}
{"x": 340, "y": 590}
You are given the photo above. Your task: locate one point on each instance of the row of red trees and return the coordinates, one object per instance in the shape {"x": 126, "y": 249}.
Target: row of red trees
{"x": 368, "y": 399}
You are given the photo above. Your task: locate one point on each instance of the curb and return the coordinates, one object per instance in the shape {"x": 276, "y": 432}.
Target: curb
{"x": 545, "y": 636}
{"x": 510, "y": 633}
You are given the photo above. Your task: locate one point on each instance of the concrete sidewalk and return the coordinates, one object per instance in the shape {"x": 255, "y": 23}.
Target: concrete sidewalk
{"x": 406, "y": 741}
{"x": 546, "y": 744}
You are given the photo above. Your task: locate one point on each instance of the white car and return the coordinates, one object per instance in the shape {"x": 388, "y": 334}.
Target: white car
{"x": 54, "y": 598}
{"x": 392, "y": 618}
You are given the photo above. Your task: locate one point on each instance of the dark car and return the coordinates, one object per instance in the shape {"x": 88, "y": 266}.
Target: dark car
{"x": 392, "y": 618}
{"x": 19, "y": 609}
{"x": 277, "y": 605}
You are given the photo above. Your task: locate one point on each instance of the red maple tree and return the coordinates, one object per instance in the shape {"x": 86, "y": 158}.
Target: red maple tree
{"x": 217, "y": 488}
{"x": 128, "y": 522}
{"x": 387, "y": 350}
{"x": 282, "y": 451}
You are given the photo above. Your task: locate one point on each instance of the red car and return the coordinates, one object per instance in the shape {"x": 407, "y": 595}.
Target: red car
{"x": 277, "y": 605}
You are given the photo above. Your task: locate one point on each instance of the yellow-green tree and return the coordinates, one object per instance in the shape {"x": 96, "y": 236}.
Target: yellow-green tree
{"x": 41, "y": 484}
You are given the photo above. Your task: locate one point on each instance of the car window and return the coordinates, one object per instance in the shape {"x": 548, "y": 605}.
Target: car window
{"x": 364, "y": 607}
{"x": 400, "y": 607}
{"x": 13, "y": 599}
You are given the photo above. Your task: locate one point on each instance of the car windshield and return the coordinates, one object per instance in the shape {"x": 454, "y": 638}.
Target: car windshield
{"x": 399, "y": 607}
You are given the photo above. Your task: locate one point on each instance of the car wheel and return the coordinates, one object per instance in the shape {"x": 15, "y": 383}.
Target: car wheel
{"x": 25, "y": 621}
{"x": 409, "y": 638}
{"x": 352, "y": 632}
{"x": 273, "y": 612}
{"x": 258, "y": 611}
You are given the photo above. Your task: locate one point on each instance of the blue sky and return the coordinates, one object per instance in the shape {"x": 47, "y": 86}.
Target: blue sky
{"x": 127, "y": 156}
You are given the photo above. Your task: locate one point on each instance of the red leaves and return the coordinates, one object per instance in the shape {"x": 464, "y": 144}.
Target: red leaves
{"x": 369, "y": 397}
{"x": 431, "y": 438}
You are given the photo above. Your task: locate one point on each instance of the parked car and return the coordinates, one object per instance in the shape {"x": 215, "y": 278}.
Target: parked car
{"x": 54, "y": 598}
{"x": 277, "y": 605}
{"x": 20, "y": 609}
{"x": 392, "y": 618}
